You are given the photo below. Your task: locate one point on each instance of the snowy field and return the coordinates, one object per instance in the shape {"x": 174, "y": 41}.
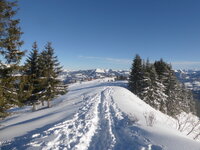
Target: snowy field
{"x": 93, "y": 115}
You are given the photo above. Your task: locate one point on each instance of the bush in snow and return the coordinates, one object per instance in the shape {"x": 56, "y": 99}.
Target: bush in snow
{"x": 150, "y": 118}
{"x": 189, "y": 124}
{"x": 133, "y": 118}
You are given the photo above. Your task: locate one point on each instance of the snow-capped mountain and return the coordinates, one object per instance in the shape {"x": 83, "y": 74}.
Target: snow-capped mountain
{"x": 82, "y": 75}
{"x": 191, "y": 79}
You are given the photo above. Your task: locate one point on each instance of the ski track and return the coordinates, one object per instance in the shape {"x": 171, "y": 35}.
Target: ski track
{"x": 104, "y": 134}
{"x": 73, "y": 134}
{"x": 98, "y": 125}
{"x": 78, "y": 132}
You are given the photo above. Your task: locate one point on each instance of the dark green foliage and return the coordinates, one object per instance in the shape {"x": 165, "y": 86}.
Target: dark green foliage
{"x": 158, "y": 86}
{"x": 121, "y": 77}
{"x": 136, "y": 76}
{"x": 43, "y": 70}
{"x": 153, "y": 89}
{"x": 11, "y": 54}
{"x": 10, "y": 33}
{"x": 23, "y": 90}
{"x": 52, "y": 86}
{"x": 35, "y": 81}
{"x": 32, "y": 74}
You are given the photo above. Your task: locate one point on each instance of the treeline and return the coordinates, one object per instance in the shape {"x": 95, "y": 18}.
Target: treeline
{"x": 157, "y": 85}
{"x": 36, "y": 80}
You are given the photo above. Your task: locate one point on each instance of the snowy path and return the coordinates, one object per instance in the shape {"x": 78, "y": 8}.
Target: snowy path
{"x": 75, "y": 133}
{"x": 98, "y": 125}
{"x": 90, "y": 119}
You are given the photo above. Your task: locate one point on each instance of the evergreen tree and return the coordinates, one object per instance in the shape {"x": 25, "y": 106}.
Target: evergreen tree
{"x": 136, "y": 76}
{"x": 187, "y": 101}
{"x": 158, "y": 86}
{"x": 51, "y": 70}
{"x": 32, "y": 73}
{"x": 146, "y": 82}
{"x": 32, "y": 62}
{"x": 178, "y": 98}
{"x": 172, "y": 90}
{"x": 23, "y": 90}
{"x": 10, "y": 43}
{"x": 162, "y": 70}
{"x": 153, "y": 91}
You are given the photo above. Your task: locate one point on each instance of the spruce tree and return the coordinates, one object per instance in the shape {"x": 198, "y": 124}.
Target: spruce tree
{"x": 146, "y": 82}
{"x": 178, "y": 98}
{"x": 162, "y": 70}
{"x": 136, "y": 76}
{"x": 23, "y": 89}
{"x": 11, "y": 55}
{"x": 172, "y": 90}
{"x": 32, "y": 73}
{"x": 153, "y": 91}
{"x": 158, "y": 86}
{"x": 51, "y": 70}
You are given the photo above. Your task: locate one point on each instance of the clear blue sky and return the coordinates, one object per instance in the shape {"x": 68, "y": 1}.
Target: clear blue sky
{"x": 108, "y": 33}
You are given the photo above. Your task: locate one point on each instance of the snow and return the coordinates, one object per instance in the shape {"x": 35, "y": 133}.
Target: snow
{"x": 93, "y": 115}
{"x": 100, "y": 70}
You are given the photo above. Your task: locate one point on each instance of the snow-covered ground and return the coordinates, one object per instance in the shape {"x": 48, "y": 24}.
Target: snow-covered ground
{"x": 93, "y": 115}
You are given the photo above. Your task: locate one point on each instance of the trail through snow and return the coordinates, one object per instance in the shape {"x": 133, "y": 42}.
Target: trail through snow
{"x": 89, "y": 117}
{"x": 98, "y": 125}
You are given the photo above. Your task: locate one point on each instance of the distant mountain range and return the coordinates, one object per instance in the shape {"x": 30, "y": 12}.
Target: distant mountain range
{"x": 191, "y": 78}
{"x": 82, "y": 75}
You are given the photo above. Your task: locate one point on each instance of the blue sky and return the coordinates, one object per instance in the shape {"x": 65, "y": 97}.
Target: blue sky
{"x": 108, "y": 33}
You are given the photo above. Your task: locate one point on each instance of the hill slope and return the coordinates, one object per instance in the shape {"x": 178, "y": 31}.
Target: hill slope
{"x": 95, "y": 115}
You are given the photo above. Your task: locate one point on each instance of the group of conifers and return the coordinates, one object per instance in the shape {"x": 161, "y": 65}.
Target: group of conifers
{"x": 33, "y": 82}
{"x": 157, "y": 84}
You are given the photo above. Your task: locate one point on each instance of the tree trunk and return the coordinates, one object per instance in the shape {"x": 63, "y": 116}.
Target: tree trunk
{"x": 48, "y": 103}
{"x": 42, "y": 102}
{"x": 34, "y": 107}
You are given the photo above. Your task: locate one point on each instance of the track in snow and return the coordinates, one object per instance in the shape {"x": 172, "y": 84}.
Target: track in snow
{"x": 116, "y": 131}
{"x": 98, "y": 125}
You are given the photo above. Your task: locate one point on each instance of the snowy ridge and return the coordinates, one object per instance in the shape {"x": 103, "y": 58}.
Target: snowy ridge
{"x": 95, "y": 115}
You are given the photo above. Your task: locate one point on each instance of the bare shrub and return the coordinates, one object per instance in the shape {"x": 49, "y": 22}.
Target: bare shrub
{"x": 189, "y": 124}
{"x": 133, "y": 118}
{"x": 150, "y": 118}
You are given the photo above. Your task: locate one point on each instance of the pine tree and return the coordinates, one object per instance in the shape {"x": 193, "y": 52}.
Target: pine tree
{"x": 168, "y": 79}
{"x": 162, "y": 70}
{"x": 32, "y": 72}
{"x": 10, "y": 43}
{"x": 172, "y": 90}
{"x": 136, "y": 76}
{"x": 50, "y": 73}
{"x": 10, "y": 33}
{"x": 153, "y": 91}
{"x": 146, "y": 82}
{"x": 23, "y": 89}
{"x": 187, "y": 101}
{"x": 158, "y": 86}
